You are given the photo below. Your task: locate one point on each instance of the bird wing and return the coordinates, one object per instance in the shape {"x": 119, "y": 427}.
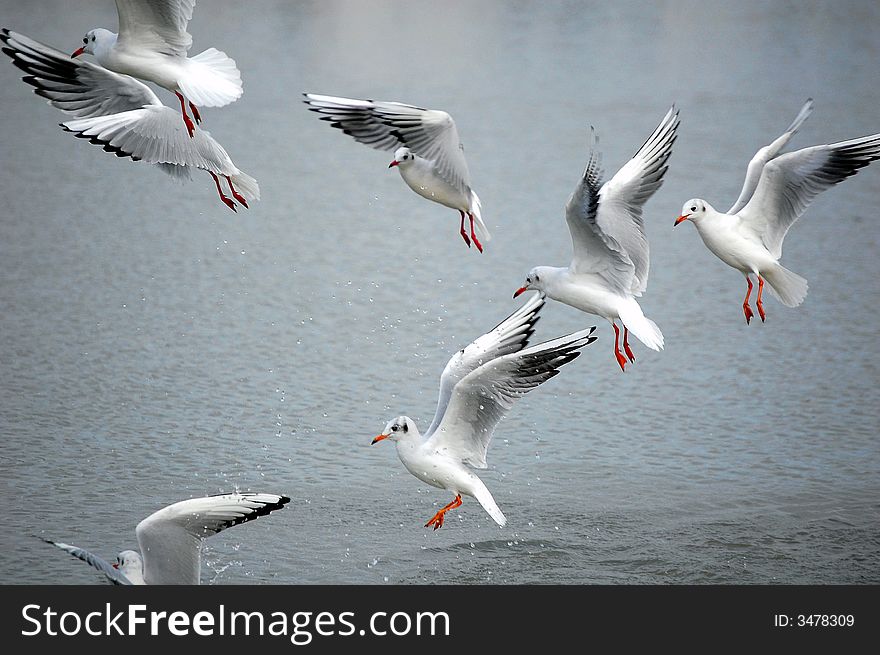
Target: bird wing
{"x": 115, "y": 576}
{"x": 429, "y": 133}
{"x": 789, "y": 183}
{"x": 170, "y": 539}
{"x": 158, "y": 25}
{"x": 155, "y": 135}
{"x": 593, "y": 250}
{"x": 619, "y": 215}
{"x": 75, "y": 86}
{"x": 510, "y": 335}
{"x": 484, "y": 395}
{"x": 765, "y": 154}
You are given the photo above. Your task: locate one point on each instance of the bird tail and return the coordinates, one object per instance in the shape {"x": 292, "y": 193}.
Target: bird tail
{"x": 246, "y": 185}
{"x": 212, "y": 79}
{"x": 481, "y": 493}
{"x": 480, "y": 227}
{"x": 790, "y": 288}
{"x": 644, "y": 329}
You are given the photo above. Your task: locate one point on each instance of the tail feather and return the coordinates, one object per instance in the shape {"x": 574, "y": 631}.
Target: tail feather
{"x": 789, "y": 288}
{"x": 212, "y": 79}
{"x": 246, "y": 185}
{"x": 642, "y": 327}
{"x": 480, "y": 227}
{"x": 481, "y": 493}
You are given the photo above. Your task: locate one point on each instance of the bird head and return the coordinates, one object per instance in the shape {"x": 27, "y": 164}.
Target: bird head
{"x": 129, "y": 561}
{"x": 94, "y": 40}
{"x": 396, "y": 429}
{"x": 403, "y": 156}
{"x": 535, "y": 281}
{"x": 692, "y": 210}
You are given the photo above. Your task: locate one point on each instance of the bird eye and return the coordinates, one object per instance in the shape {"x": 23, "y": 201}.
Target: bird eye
{"x": 405, "y": 427}
{"x": 394, "y": 428}
{"x": 85, "y": 39}
{"x": 93, "y": 38}
{"x": 537, "y": 279}
{"x": 694, "y": 208}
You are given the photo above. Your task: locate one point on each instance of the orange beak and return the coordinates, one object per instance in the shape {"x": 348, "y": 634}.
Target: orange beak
{"x": 681, "y": 218}
{"x": 78, "y": 52}
{"x": 378, "y": 438}
{"x": 519, "y": 291}
{"x": 394, "y": 163}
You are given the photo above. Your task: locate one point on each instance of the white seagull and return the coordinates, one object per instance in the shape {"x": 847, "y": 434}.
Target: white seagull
{"x": 478, "y": 386}
{"x": 124, "y": 116}
{"x": 609, "y": 266}
{"x": 152, "y": 45}
{"x": 427, "y": 150}
{"x": 171, "y": 539}
{"x": 777, "y": 190}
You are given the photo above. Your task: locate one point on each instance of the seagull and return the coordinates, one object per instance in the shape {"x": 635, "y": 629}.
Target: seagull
{"x": 777, "y": 190}
{"x": 427, "y": 151}
{"x": 478, "y": 386}
{"x": 124, "y": 116}
{"x": 171, "y": 539}
{"x": 609, "y": 267}
{"x": 152, "y": 44}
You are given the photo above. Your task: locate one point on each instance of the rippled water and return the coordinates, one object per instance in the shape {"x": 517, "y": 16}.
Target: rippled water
{"x": 158, "y": 347}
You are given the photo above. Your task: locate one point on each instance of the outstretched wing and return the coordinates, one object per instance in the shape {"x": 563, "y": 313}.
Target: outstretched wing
{"x": 155, "y": 135}
{"x": 158, "y": 25}
{"x": 605, "y": 220}
{"x": 789, "y": 183}
{"x": 93, "y": 560}
{"x": 621, "y": 198}
{"x": 484, "y": 395}
{"x": 74, "y": 86}
{"x": 765, "y": 154}
{"x": 510, "y": 335}
{"x": 170, "y": 539}
{"x": 429, "y": 133}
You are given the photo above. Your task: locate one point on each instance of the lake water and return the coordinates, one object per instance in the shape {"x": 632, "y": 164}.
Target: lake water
{"x": 157, "y": 346}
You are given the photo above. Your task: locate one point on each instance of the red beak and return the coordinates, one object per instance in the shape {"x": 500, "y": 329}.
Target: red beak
{"x": 378, "y": 438}
{"x": 394, "y": 163}
{"x": 78, "y": 52}
{"x": 681, "y": 218}
{"x": 519, "y": 291}
{"x": 116, "y": 565}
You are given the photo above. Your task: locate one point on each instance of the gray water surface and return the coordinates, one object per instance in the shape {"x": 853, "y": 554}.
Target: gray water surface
{"x": 158, "y": 347}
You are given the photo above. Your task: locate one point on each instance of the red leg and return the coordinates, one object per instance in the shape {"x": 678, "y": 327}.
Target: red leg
{"x": 474, "y": 235}
{"x": 462, "y": 232}
{"x": 236, "y": 194}
{"x": 437, "y": 519}
{"x": 629, "y": 353}
{"x": 746, "y": 309}
{"x": 226, "y": 201}
{"x": 759, "y": 304}
{"x": 186, "y": 121}
{"x": 195, "y": 112}
{"x": 620, "y": 358}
